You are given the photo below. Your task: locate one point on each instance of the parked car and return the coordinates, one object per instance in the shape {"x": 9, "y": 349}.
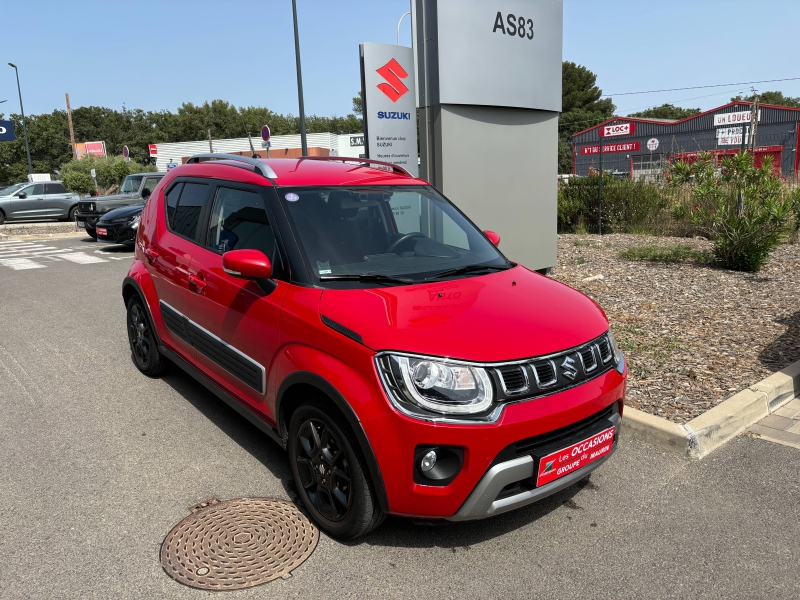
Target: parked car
{"x": 44, "y": 200}
{"x": 365, "y": 324}
{"x": 119, "y": 226}
{"x": 134, "y": 191}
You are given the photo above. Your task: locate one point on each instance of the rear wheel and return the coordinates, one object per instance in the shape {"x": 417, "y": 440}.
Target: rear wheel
{"x": 2, "y": 217}
{"x": 144, "y": 349}
{"x": 330, "y": 474}
{"x": 92, "y": 233}
{"x": 71, "y": 214}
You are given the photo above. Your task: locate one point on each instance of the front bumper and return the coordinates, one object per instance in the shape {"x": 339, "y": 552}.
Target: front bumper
{"x": 488, "y": 499}
{"x": 87, "y": 220}
{"x": 120, "y": 233}
{"x": 477, "y": 490}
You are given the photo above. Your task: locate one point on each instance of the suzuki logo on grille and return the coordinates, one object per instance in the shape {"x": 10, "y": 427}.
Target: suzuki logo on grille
{"x": 392, "y": 72}
{"x": 569, "y": 368}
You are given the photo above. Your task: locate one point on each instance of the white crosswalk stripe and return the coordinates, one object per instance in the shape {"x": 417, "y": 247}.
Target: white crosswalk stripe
{"x": 19, "y": 264}
{"x": 32, "y": 254}
{"x": 81, "y": 258}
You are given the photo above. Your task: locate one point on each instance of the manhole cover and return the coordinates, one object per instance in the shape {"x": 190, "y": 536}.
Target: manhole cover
{"x": 238, "y": 543}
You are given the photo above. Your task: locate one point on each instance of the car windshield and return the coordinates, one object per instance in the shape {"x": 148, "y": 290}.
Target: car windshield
{"x": 131, "y": 184}
{"x": 406, "y": 232}
{"x": 10, "y": 190}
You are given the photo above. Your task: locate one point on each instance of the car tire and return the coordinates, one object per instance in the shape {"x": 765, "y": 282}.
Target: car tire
{"x": 71, "y": 214}
{"x": 2, "y": 217}
{"x": 142, "y": 340}
{"x": 330, "y": 474}
{"x": 92, "y": 233}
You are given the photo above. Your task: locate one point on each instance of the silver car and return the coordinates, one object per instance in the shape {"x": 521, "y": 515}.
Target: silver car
{"x": 37, "y": 200}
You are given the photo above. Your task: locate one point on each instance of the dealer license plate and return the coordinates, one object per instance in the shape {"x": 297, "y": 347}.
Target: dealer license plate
{"x": 80, "y": 222}
{"x": 101, "y": 231}
{"x": 570, "y": 459}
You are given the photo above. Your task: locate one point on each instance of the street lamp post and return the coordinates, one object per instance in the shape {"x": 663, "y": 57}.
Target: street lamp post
{"x": 24, "y": 129}
{"x": 303, "y": 143}
{"x": 398, "y": 25}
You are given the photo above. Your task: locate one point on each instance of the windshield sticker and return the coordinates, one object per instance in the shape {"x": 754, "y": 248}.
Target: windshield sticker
{"x": 292, "y": 197}
{"x": 324, "y": 268}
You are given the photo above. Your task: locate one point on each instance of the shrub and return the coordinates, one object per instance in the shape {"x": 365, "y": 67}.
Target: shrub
{"x": 742, "y": 241}
{"x": 665, "y": 254}
{"x": 110, "y": 172}
{"x": 78, "y": 182}
{"x": 628, "y": 206}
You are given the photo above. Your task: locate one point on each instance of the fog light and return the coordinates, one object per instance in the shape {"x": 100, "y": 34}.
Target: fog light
{"x": 428, "y": 461}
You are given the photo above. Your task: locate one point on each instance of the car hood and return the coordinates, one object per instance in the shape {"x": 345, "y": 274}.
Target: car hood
{"x": 507, "y": 315}
{"x": 125, "y": 211}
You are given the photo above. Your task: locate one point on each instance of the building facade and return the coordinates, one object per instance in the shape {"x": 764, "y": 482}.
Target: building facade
{"x": 638, "y": 148}
{"x": 281, "y": 146}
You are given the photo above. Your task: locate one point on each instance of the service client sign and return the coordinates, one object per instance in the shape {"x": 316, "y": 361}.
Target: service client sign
{"x": 622, "y": 147}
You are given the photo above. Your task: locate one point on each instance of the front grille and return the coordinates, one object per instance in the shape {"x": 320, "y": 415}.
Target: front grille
{"x": 553, "y": 373}
{"x": 514, "y": 379}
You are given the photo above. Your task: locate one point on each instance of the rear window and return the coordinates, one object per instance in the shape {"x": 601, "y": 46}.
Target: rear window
{"x": 55, "y": 188}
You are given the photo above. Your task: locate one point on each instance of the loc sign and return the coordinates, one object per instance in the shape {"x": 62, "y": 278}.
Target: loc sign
{"x": 617, "y": 129}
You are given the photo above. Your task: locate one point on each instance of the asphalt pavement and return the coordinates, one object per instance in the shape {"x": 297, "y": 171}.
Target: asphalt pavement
{"x": 100, "y": 462}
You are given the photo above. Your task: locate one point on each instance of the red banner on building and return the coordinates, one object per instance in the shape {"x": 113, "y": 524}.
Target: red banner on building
{"x": 617, "y": 129}
{"x": 621, "y": 147}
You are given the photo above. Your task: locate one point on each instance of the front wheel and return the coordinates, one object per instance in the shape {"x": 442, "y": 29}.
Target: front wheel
{"x": 2, "y": 217}
{"x": 71, "y": 214}
{"x": 330, "y": 476}
{"x": 92, "y": 233}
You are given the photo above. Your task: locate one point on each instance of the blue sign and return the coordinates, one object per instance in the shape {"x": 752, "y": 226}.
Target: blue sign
{"x": 7, "y": 131}
{"x": 265, "y": 133}
{"x": 172, "y": 165}
{"x": 125, "y": 152}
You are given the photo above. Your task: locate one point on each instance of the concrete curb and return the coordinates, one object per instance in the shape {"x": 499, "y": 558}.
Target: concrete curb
{"x": 41, "y": 236}
{"x": 713, "y": 428}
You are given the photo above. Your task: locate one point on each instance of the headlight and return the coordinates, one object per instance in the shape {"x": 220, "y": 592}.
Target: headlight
{"x": 135, "y": 221}
{"x": 616, "y": 353}
{"x": 445, "y": 387}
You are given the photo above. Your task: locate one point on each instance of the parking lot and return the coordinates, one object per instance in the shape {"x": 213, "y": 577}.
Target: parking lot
{"x": 101, "y": 462}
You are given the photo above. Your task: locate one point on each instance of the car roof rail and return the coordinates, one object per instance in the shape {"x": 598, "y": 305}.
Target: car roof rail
{"x": 394, "y": 167}
{"x": 258, "y": 165}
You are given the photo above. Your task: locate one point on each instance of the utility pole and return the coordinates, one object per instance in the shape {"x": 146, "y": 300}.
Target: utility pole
{"x": 303, "y": 143}
{"x": 751, "y": 144}
{"x": 71, "y": 130}
{"x": 252, "y": 150}
{"x": 24, "y": 128}
{"x": 210, "y": 145}
{"x": 754, "y": 121}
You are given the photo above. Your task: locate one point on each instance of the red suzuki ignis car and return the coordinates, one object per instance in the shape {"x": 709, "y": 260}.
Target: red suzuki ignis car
{"x": 357, "y": 317}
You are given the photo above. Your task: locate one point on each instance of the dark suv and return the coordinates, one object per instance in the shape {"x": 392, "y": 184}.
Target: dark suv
{"x": 134, "y": 191}
{"x": 357, "y": 317}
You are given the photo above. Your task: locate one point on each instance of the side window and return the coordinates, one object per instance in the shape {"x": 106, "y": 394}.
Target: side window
{"x": 239, "y": 221}
{"x": 150, "y": 184}
{"x": 172, "y": 203}
{"x": 54, "y": 188}
{"x": 186, "y": 215}
{"x": 26, "y": 190}
{"x": 35, "y": 190}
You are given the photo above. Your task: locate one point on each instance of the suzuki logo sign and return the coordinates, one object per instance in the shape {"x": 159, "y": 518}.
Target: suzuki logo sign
{"x": 617, "y": 129}
{"x": 392, "y": 72}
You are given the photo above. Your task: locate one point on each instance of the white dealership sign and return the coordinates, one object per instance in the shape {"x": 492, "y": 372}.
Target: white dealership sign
{"x": 732, "y": 136}
{"x": 617, "y": 129}
{"x": 734, "y": 118}
{"x": 390, "y": 115}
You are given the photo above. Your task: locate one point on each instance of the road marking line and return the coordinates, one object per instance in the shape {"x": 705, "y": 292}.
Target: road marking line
{"x": 19, "y": 264}
{"x": 37, "y": 253}
{"x": 81, "y": 258}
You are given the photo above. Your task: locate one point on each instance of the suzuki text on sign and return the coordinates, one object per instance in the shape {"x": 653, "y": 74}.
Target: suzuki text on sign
{"x": 617, "y": 129}
{"x": 390, "y": 114}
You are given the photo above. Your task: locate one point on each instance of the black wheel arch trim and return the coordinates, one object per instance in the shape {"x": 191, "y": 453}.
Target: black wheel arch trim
{"x": 314, "y": 380}
{"x": 130, "y": 282}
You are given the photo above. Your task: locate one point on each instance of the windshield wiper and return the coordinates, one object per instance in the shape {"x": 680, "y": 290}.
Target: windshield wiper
{"x": 467, "y": 269}
{"x": 378, "y": 277}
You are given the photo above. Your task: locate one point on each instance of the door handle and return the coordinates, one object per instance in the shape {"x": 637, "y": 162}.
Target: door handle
{"x": 198, "y": 283}
{"x": 151, "y": 255}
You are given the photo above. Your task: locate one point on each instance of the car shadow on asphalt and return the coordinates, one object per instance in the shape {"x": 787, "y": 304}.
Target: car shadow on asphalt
{"x": 232, "y": 424}
{"x": 785, "y": 349}
{"x": 113, "y": 248}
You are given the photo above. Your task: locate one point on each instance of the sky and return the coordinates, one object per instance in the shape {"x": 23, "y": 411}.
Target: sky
{"x": 157, "y": 55}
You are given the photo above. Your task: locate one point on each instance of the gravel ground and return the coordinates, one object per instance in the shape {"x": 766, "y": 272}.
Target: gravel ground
{"x": 693, "y": 335}
{"x": 38, "y": 228}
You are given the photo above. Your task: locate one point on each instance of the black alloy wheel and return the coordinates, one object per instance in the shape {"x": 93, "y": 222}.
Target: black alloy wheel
{"x": 324, "y": 470}
{"x": 329, "y": 474}
{"x": 144, "y": 349}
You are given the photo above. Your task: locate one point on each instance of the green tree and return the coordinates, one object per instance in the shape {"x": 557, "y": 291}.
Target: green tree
{"x": 776, "y": 98}
{"x": 582, "y": 106}
{"x": 666, "y": 111}
{"x": 358, "y": 104}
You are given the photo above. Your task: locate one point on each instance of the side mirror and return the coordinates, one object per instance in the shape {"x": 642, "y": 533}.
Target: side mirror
{"x": 493, "y": 237}
{"x": 22, "y": 195}
{"x": 247, "y": 264}
{"x": 146, "y": 194}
